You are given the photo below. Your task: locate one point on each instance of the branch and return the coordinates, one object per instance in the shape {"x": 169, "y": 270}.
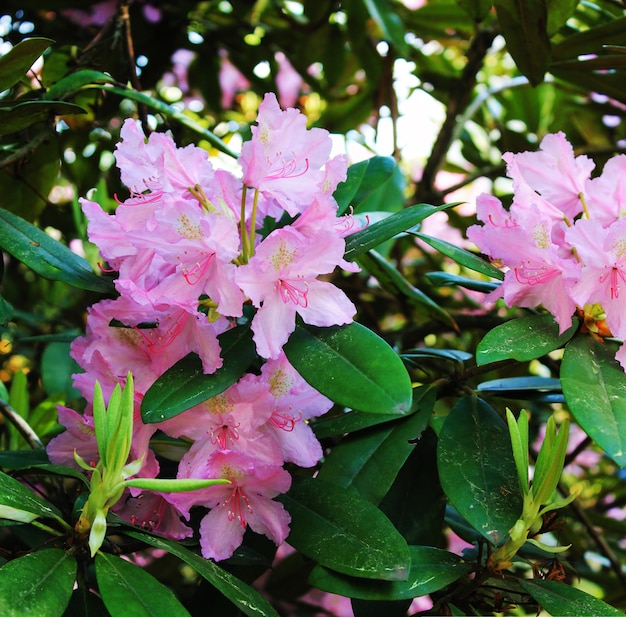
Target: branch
{"x": 21, "y": 425}
{"x": 459, "y": 100}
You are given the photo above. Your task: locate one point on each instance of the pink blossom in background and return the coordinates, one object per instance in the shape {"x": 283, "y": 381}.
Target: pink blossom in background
{"x": 288, "y": 81}
{"x": 231, "y": 79}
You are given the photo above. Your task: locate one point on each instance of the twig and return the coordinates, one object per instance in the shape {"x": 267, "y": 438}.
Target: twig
{"x": 458, "y": 102}
{"x": 21, "y": 425}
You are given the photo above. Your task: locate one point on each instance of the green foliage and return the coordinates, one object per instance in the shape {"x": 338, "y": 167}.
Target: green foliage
{"x": 445, "y": 410}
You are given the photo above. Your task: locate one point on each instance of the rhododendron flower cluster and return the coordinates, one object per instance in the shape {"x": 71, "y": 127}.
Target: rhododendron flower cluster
{"x": 190, "y": 247}
{"x": 563, "y": 240}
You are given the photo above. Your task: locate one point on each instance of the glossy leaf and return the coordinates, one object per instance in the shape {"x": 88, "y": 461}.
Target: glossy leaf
{"x": 15, "y": 64}
{"x": 431, "y": 569}
{"x": 387, "y": 228}
{"x": 477, "y": 470}
{"x": 390, "y": 279}
{"x": 520, "y": 386}
{"x": 523, "y": 23}
{"x": 75, "y": 81}
{"x": 349, "y": 422}
{"x": 130, "y": 591}
{"x": 364, "y": 178}
{"x": 444, "y": 279}
{"x": 14, "y": 494}
{"x": 344, "y": 532}
{"x": 564, "y": 600}
{"x": 390, "y": 25}
{"x": 249, "y": 601}
{"x": 352, "y": 366}
{"x": 591, "y": 40}
{"x": 461, "y": 256}
{"x": 370, "y": 460}
{"x": 185, "y": 384}
{"x": 523, "y": 339}
{"x": 38, "y": 583}
{"x": 46, "y": 256}
{"x": 594, "y": 384}
{"x": 14, "y": 118}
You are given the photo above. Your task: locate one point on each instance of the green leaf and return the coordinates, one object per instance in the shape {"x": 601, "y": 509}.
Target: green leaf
{"x": 561, "y": 599}
{"x": 390, "y": 279}
{"x": 477, "y": 470}
{"x": 46, "y": 256}
{"x": 57, "y": 368}
{"x": 591, "y": 40}
{"x": 461, "y": 256}
{"x": 594, "y": 384}
{"x": 185, "y": 384}
{"x": 248, "y": 600}
{"x": 444, "y": 279}
{"x": 129, "y": 591}
{"x": 344, "y": 532}
{"x": 14, "y": 494}
{"x": 391, "y": 226}
{"x": 15, "y": 64}
{"x": 559, "y": 11}
{"x": 6, "y": 311}
{"x": 530, "y": 387}
{"x": 352, "y": 366}
{"x": 476, "y": 9}
{"x": 364, "y": 179}
{"x": 370, "y": 460}
{"x": 524, "y": 23}
{"x": 349, "y": 422}
{"x": 75, "y": 81}
{"x": 38, "y": 583}
{"x": 389, "y": 23}
{"x": 17, "y": 117}
{"x": 431, "y": 569}
{"x": 523, "y": 339}
{"x": 26, "y": 187}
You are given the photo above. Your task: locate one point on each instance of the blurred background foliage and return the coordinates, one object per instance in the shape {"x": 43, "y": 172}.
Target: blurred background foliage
{"x": 442, "y": 88}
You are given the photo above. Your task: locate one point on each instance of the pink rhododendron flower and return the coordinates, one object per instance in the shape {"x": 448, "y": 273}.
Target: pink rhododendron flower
{"x": 563, "y": 240}
{"x": 288, "y": 81}
{"x": 285, "y": 160}
{"x": 281, "y": 280}
{"x": 188, "y": 249}
{"x": 247, "y": 500}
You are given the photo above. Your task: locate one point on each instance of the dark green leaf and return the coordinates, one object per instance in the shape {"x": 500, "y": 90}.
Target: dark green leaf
{"x": 461, "y": 256}
{"x": 46, "y": 256}
{"x": 559, "y": 11}
{"x": 129, "y": 591}
{"x": 594, "y": 384}
{"x": 25, "y": 189}
{"x": 389, "y": 23}
{"x": 591, "y": 41}
{"x": 13, "y": 494}
{"x": 363, "y": 179}
{"x": 415, "y": 503}
{"x": 476, "y": 9}
{"x": 185, "y": 384}
{"x": 431, "y": 569}
{"x": 352, "y": 366}
{"x": 329, "y": 426}
{"x": 397, "y": 223}
{"x": 391, "y": 280}
{"x": 344, "y": 532}
{"x": 567, "y": 601}
{"x": 477, "y": 470}
{"x": 75, "y": 81}
{"x": 38, "y": 583}
{"x": 6, "y": 311}
{"x": 444, "y": 279}
{"x": 15, "y": 64}
{"x": 527, "y": 388}
{"x": 523, "y": 339}
{"x": 20, "y": 459}
{"x": 370, "y": 460}
{"x": 14, "y": 118}
{"x": 248, "y": 600}
{"x": 524, "y": 23}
